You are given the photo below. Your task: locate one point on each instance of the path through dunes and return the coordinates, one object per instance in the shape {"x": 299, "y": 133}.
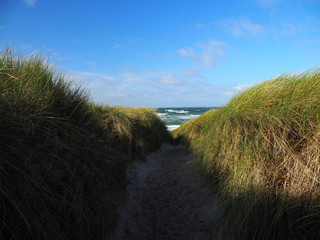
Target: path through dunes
{"x": 166, "y": 199}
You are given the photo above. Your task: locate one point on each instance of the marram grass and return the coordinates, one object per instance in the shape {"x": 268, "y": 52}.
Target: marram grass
{"x": 262, "y": 152}
{"x": 63, "y": 158}
{"x": 146, "y": 127}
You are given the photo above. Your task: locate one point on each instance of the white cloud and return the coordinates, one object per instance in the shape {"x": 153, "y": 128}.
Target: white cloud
{"x": 241, "y": 27}
{"x": 31, "y": 2}
{"x": 187, "y": 52}
{"x": 207, "y": 53}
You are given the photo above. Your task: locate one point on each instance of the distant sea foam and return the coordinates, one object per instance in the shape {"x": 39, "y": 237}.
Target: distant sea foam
{"x": 174, "y": 117}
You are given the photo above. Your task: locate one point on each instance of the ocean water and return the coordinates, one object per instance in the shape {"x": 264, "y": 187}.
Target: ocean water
{"x": 174, "y": 117}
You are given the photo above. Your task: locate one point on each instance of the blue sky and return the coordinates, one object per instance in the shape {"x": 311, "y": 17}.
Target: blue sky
{"x": 166, "y": 53}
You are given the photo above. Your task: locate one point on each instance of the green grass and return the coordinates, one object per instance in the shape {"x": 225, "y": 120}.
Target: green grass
{"x": 261, "y": 152}
{"x": 63, "y": 158}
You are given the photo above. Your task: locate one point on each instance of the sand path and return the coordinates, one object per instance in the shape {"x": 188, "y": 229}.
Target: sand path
{"x": 167, "y": 199}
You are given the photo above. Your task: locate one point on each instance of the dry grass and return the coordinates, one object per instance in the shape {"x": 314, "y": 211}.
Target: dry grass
{"x": 262, "y": 150}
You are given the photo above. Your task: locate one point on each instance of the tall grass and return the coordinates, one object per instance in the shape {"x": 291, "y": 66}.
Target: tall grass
{"x": 62, "y": 158}
{"x": 262, "y": 153}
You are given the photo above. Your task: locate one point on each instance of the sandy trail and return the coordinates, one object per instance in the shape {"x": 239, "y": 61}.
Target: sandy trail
{"x": 166, "y": 199}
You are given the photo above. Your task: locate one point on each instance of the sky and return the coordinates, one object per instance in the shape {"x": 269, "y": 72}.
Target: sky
{"x": 166, "y": 53}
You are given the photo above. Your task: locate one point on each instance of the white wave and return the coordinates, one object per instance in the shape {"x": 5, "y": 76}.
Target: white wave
{"x": 177, "y": 111}
{"x": 162, "y": 114}
{"x": 188, "y": 117}
{"x": 172, "y": 127}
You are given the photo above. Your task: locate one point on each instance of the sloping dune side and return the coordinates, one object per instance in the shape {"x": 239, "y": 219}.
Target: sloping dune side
{"x": 262, "y": 153}
{"x": 62, "y": 158}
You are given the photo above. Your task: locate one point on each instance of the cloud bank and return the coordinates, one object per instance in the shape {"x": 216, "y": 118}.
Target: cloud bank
{"x": 155, "y": 88}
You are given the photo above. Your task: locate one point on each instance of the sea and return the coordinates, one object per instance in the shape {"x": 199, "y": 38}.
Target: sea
{"x": 174, "y": 117}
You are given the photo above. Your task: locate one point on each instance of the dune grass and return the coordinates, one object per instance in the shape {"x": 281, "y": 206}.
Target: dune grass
{"x": 261, "y": 152}
{"x": 63, "y": 158}
{"x": 146, "y": 128}
{"x": 191, "y": 128}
